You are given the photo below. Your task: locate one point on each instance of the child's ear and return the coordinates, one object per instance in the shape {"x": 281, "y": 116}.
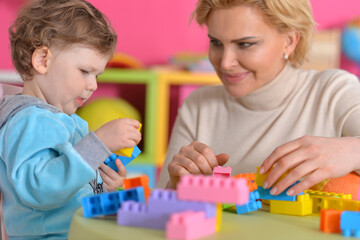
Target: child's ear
{"x": 41, "y": 59}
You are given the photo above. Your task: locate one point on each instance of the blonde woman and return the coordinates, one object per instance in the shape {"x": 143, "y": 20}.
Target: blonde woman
{"x": 267, "y": 112}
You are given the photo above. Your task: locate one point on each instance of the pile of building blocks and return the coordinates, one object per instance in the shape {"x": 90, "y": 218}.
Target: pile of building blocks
{"x": 194, "y": 210}
{"x": 190, "y": 212}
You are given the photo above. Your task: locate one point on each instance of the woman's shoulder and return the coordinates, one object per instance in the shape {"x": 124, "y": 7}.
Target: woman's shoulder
{"x": 333, "y": 75}
{"x": 206, "y": 92}
{"x": 329, "y": 78}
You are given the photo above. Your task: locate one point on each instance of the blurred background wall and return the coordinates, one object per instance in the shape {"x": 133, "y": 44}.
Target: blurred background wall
{"x": 154, "y": 30}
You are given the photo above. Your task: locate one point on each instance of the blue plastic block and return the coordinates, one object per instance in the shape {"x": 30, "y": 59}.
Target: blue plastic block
{"x": 252, "y": 205}
{"x": 350, "y": 223}
{"x": 109, "y": 203}
{"x": 110, "y": 161}
{"x": 91, "y": 206}
{"x": 265, "y": 194}
{"x": 132, "y": 194}
{"x": 249, "y": 207}
{"x": 254, "y": 195}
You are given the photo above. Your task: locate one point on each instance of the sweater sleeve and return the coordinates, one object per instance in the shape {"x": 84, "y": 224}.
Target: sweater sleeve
{"x": 344, "y": 102}
{"x": 183, "y": 133}
{"x": 43, "y": 166}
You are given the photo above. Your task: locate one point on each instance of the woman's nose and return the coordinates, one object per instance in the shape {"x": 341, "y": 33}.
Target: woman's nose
{"x": 229, "y": 59}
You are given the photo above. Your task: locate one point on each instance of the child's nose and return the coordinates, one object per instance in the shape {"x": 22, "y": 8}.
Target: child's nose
{"x": 92, "y": 86}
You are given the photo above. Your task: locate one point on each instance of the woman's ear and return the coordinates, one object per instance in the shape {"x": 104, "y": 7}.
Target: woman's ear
{"x": 41, "y": 59}
{"x": 291, "y": 42}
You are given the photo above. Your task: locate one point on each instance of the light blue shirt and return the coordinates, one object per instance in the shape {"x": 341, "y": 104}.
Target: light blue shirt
{"x": 43, "y": 177}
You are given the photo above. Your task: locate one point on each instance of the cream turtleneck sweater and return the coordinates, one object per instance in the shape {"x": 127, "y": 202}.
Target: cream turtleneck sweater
{"x": 296, "y": 103}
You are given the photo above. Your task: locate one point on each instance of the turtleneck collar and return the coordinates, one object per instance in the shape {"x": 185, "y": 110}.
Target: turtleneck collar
{"x": 273, "y": 94}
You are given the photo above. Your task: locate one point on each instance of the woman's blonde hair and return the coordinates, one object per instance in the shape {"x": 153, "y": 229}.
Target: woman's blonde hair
{"x": 284, "y": 15}
{"x": 59, "y": 23}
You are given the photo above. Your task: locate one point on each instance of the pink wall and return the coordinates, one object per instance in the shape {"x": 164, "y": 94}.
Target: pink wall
{"x": 152, "y": 31}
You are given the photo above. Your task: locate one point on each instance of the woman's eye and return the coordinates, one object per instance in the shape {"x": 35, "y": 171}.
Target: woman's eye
{"x": 245, "y": 44}
{"x": 214, "y": 42}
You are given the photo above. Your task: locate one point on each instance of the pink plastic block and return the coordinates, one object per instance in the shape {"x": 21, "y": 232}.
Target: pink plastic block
{"x": 189, "y": 225}
{"x": 220, "y": 171}
{"x": 213, "y": 189}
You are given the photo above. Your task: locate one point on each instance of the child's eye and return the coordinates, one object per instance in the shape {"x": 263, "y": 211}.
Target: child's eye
{"x": 84, "y": 71}
{"x": 216, "y": 43}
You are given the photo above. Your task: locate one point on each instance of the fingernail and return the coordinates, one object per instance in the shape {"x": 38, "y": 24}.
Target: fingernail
{"x": 265, "y": 185}
{"x": 290, "y": 192}
{"x": 273, "y": 191}
{"x": 261, "y": 170}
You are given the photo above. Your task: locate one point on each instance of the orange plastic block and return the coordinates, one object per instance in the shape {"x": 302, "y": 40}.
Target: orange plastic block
{"x": 250, "y": 178}
{"x": 330, "y": 220}
{"x": 142, "y": 180}
{"x": 302, "y": 206}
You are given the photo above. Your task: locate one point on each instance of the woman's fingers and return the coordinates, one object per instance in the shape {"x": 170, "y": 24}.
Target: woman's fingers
{"x": 279, "y": 153}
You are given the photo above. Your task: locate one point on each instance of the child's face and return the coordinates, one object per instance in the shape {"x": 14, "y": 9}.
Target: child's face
{"x": 71, "y": 77}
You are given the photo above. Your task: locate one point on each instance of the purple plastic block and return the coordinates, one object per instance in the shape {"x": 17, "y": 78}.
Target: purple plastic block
{"x": 136, "y": 215}
{"x": 166, "y": 202}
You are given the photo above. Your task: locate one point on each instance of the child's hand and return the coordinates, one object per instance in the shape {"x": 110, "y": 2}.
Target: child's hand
{"x": 113, "y": 180}
{"x": 119, "y": 133}
{"x": 312, "y": 158}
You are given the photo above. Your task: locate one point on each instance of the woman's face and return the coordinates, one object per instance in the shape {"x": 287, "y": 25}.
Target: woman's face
{"x": 245, "y": 51}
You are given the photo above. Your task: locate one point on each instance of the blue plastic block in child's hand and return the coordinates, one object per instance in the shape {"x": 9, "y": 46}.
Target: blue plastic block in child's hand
{"x": 110, "y": 161}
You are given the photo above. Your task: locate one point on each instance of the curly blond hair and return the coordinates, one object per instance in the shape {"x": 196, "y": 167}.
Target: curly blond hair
{"x": 59, "y": 23}
{"x": 284, "y": 15}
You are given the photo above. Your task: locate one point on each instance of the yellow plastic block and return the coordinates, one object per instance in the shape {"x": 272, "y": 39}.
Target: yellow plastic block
{"x": 303, "y": 206}
{"x": 327, "y": 194}
{"x": 219, "y": 210}
{"x": 334, "y": 203}
{"x": 260, "y": 178}
{"x": 127, "y": 152}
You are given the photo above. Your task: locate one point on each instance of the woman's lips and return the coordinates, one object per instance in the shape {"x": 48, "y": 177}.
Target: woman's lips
{"x": 235, "y": 78}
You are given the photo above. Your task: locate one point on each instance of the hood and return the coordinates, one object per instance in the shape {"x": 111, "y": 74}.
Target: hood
{"x": 11, "y": 104}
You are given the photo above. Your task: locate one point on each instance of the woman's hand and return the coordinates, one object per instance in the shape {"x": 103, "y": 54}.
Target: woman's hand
{"x": 113, "y": 180}
{"x": 312, "y": 158}
{"x": 196, "y": 158}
